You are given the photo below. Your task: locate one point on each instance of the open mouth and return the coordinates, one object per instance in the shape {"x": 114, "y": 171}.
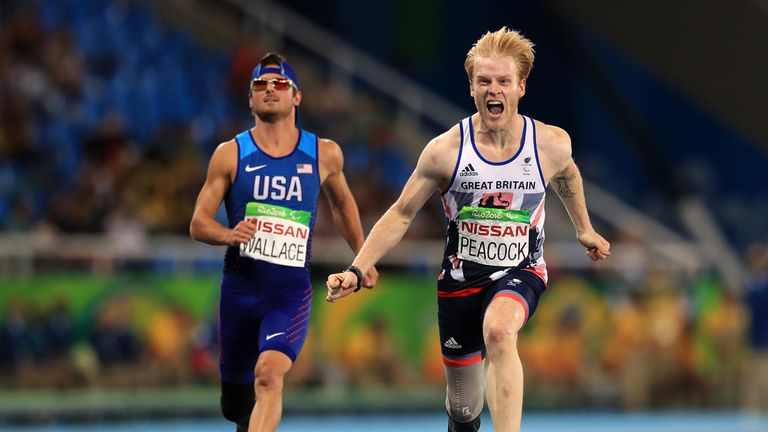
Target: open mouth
{"x": 495, "y": 107}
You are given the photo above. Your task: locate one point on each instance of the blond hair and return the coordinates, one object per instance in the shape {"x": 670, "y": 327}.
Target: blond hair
{"x": 502, "y": 43}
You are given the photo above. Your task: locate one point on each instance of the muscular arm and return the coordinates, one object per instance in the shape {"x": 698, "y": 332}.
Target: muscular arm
{"x": 569, "y": 186}
{"x": 393, "y": 225}
{"x": 342, "y": 204}
{"x": 204, "y": 227}
{"x": 432, "y": 171}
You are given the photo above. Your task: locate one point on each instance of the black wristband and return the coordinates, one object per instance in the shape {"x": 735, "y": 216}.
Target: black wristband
{"x": 359, "y": 274}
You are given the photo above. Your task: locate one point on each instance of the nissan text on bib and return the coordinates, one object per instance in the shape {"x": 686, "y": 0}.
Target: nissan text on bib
{"x": 281, "y": 234}
{"x": 494, "y": 237}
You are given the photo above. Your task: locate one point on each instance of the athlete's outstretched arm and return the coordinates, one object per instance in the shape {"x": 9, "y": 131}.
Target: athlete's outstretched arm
{"x": 204, "y": 226}
{"x": 343, "y": 207}
{"x": 387, "y": 232}
{"x": 569, "y": 186}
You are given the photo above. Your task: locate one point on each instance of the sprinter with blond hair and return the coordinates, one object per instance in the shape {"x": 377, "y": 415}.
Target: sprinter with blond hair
{"x": 491, "y": 171}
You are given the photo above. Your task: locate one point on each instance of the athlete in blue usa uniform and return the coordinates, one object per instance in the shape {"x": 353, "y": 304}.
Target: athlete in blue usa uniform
{"x": 491, "y": 171}
{"x": 269, "y": 178}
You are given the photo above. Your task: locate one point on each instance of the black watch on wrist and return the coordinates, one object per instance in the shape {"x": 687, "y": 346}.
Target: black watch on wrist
{"x": 359, "y": 275}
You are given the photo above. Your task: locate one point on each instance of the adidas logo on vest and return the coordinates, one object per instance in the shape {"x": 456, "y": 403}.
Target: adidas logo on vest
{"x": 468, "y": 170}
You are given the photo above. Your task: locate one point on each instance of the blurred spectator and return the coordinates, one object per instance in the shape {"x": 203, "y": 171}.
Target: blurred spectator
{"x": 666, "y": 321}
{"x": 59, "y": 328}
{"x": 113, "y": 337}
{"x": 13, "y": 330}
{"x": 756, "y": 371}
{"x": 247, "y": 54}
{"x": 127, "y": 233}
{"x": 306, "y": 371}
{"x": 40, "y": 345}
{"x": 432, "y": 371}
{"x": 633, "y": 257}
{"x": 168, "y": 344}
{"x": 627, "y": 354}
{"x": 204, "y": 349}
{"x": 372, "y": 357}
{"x": 724, "y": 327}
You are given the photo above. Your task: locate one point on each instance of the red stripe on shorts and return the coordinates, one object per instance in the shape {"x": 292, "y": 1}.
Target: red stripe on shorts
{"x": 460, "y": 293}
{"x": 515, "y": 296}
{"x": 463, "y": 362}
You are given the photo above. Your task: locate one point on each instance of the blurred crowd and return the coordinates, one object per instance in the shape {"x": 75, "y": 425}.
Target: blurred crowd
{"x": 598, "y": 339}
{"x": 108, "y": 118}
{"x": 46, "y": 348}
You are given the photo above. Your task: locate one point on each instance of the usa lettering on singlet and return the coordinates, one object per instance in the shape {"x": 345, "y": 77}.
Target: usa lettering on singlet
{"x": 279, "y": 194}
{"x": 495, "y": 213}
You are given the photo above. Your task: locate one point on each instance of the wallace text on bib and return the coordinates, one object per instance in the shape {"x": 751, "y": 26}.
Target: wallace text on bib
{"x": 281, "y": 234}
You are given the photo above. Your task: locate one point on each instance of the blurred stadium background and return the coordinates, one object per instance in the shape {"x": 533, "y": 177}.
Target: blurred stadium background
{"x": 109, "y": 111}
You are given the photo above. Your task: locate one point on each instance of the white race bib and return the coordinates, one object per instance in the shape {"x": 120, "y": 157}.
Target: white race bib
{"x": 494, "y": 237}
{"x": 281, "y": 234}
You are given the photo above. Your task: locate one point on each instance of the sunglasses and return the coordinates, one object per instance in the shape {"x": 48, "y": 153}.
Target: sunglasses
{"x": 261, "y": 84}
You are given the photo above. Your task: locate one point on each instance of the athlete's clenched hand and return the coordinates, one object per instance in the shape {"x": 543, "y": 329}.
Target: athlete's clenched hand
{"x": 340, "y": 285}
{"x": 243, "y": 232}
{"x": 597, "y": 247}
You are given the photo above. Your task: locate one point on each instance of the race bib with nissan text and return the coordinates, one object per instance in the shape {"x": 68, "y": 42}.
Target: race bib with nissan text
{"x": 494, "y": 237}
{"x": 281, "y": 234}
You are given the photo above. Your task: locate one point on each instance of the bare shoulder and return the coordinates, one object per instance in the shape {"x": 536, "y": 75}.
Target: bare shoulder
{"x": 553, "y": 142}
{"x": 441, "y": 153}
{"x": 226, "y": 147}
{"x": 330, "y": 158}
{"x": 446, "y": 141}
{"x": 551, "y": 137}
{"x": 224, "y": 158}
{"x": 328, "y": 149}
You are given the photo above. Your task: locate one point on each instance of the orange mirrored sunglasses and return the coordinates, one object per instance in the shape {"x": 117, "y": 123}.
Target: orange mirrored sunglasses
{"x": 261, "y": 84}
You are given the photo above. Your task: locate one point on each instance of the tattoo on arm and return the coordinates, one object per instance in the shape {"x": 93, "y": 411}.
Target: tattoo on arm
{"x": 563, "y": 188}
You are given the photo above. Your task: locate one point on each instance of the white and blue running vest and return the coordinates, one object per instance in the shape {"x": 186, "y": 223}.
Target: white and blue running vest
{"x": 515, "y": 184}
